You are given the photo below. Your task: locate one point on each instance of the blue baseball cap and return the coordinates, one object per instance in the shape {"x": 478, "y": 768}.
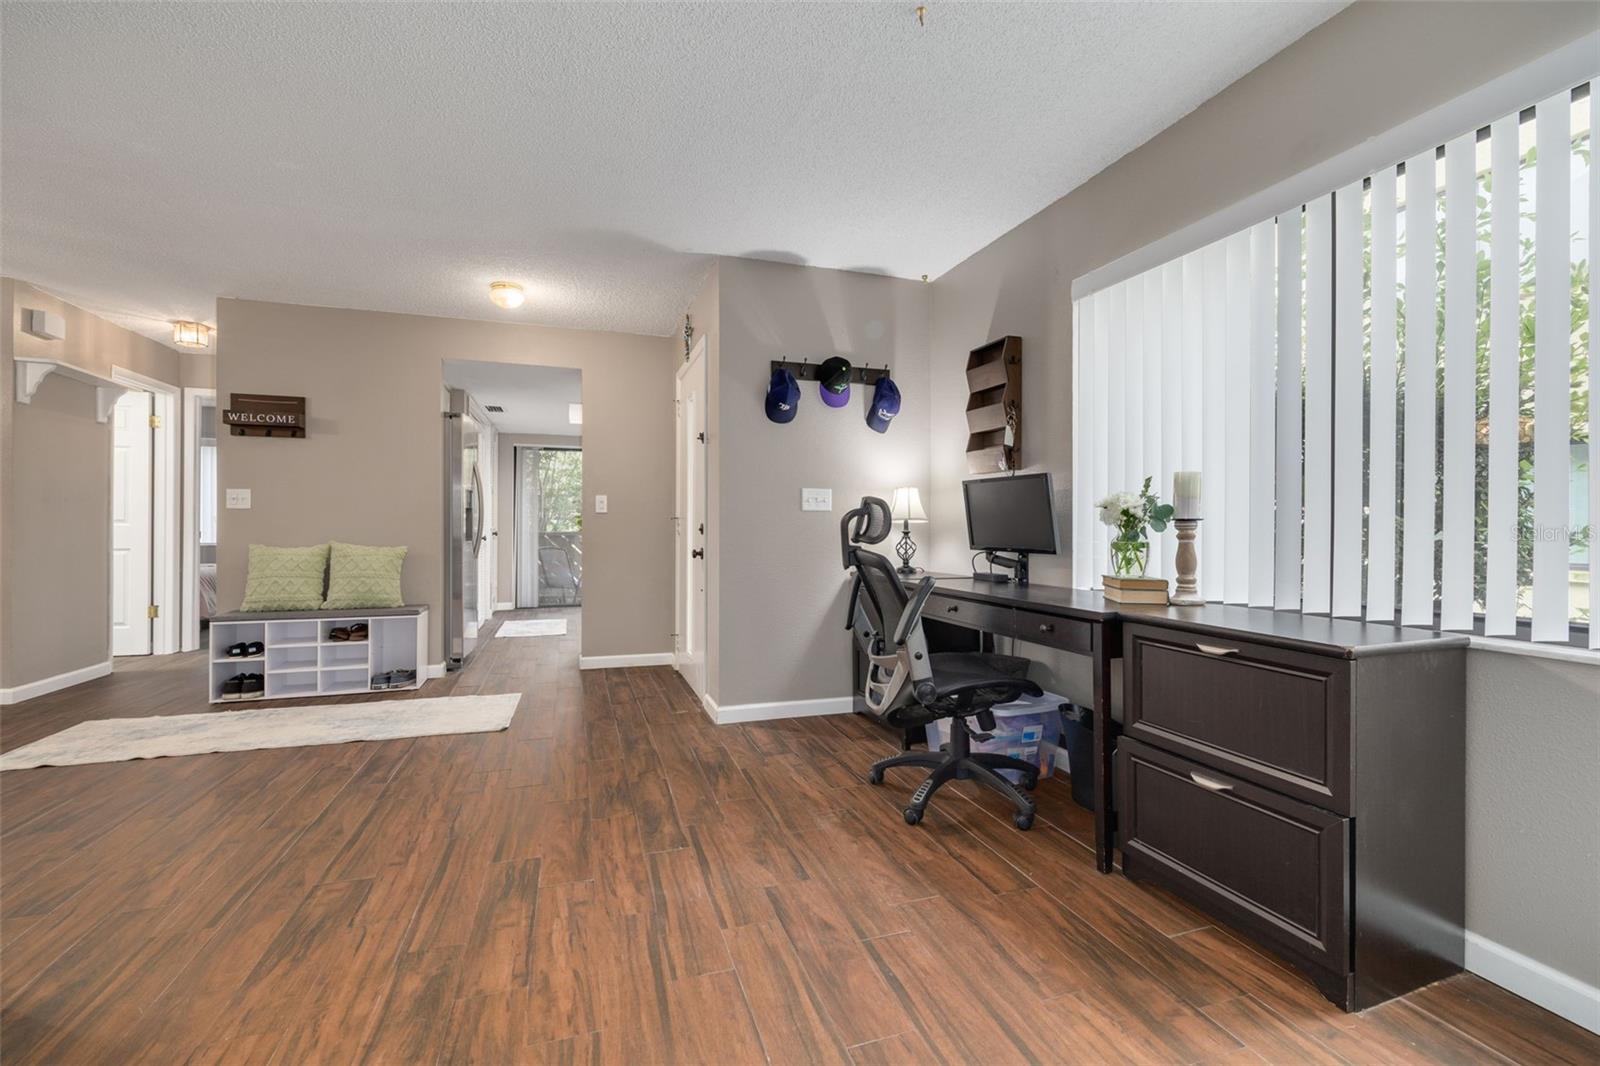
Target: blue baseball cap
{"x": 885, "y": 404}
{"x": 783, "y": 396}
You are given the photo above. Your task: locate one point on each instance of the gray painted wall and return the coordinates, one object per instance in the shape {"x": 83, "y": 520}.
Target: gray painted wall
{"x": 1533, "y": 725}
{"x": 781, "y": 590}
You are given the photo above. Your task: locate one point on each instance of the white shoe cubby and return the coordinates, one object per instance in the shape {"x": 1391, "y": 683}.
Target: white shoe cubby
{"x": 302, "y": 659}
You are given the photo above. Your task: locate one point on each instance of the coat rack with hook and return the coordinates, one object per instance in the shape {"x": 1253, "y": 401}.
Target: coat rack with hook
{"x": 806, "y": 370}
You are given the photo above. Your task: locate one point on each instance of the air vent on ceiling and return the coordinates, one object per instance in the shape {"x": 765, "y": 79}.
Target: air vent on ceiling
{"x": 494, "y": 409}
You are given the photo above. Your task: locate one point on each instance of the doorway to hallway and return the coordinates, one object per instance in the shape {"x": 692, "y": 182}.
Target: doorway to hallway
{"x": 549, "y": 526}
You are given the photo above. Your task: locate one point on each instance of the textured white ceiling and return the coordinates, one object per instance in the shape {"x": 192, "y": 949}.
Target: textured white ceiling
{"x": 535, "y": 398}
{"x": 400, "y": 157}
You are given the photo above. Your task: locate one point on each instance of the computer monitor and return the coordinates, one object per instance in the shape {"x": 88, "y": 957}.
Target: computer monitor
{"x": 1011, "y": 514}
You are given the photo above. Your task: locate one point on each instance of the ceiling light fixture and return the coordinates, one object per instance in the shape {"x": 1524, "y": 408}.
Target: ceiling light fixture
{"x": 192, "y": 334}
{"x": 506, "y": 294}
{"x": 575, "y": 413}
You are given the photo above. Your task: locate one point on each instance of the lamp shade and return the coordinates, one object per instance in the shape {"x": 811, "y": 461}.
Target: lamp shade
{"x": 906, "y": 505}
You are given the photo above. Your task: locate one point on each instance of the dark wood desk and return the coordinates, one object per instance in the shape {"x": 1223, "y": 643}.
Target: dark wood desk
{"x": 1243, "y": 730}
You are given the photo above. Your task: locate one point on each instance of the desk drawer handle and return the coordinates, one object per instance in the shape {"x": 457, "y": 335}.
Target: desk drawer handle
{"x": 1209, "y": 784}
{"x": 1217, "y": 649}
{"x": 952, "y": 609}
{"x": 1047, "y": 627}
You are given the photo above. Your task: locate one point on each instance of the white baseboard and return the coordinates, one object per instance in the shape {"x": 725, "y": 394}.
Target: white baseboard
{"x": 47, "y": 685}
{"x": 434, "y": 670}
{"x": 612, "y": 662}
{"x": 1531, "y": 979}
{"x": 506, "y": 606}
{"x": 768, "y": 712}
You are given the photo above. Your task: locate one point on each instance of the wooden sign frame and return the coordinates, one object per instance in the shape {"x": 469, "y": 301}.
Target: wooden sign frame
{"x": 254, "y": 414}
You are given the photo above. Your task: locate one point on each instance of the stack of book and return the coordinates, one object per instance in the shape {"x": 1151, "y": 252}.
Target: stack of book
{"x": 1136, "y": 589}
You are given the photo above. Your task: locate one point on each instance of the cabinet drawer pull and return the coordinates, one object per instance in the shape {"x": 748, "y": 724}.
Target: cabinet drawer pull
{"x": 1209, "y": 784}
{"x": 1047, "y": 627}
{"x": 1217, "y": 649}
{"x": 952, "y": 609}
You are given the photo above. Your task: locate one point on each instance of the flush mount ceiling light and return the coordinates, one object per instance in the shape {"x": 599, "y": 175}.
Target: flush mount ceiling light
{"x": 192, "y": 334}
{"x": 575, "y": 413}
{"x": 507, "y": 295}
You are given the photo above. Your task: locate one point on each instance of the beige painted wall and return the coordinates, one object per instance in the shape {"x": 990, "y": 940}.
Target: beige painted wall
{"x": 1532, "y": 732}
{"x": 55, "y": 490}
{"x": 371, "y": 468}
{"x": 781, "y": 589}
{"x": 505, "y": 505}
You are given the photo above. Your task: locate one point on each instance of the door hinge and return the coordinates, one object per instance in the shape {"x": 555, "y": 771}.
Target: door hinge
{"x": 155, "y": 421}
{"x": 154, "y": 611}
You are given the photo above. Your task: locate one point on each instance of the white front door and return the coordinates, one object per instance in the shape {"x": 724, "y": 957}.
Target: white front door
{"x": 691, "y": 537}
{"x": 130, "y": 524}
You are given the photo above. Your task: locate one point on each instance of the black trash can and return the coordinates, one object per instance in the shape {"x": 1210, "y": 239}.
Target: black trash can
{"x": 1077, "y": 737}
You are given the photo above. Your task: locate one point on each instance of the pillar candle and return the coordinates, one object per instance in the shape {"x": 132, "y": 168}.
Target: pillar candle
{"x": 1186, "y": 494}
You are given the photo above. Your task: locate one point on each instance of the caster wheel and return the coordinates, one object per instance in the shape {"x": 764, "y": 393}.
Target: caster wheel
{"x": 874, "y": 777}
{"x": 1024, "y": 821}
{"x": 913, "y": 816}
{"x": 1030, "y": 783}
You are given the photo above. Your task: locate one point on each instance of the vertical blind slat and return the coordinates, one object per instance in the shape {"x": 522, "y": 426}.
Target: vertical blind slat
{"x": 1154, "y": 390}
{"x": 1348, "y": 380}
{"x": 1552, "y": 397}
{"x": 1381, "y": 572}
{"x": 1594, "y": 379}
{"x": 1460, "y": 380}
{"x": 1319, "y": 405}
{"x": 1173, "y": 401}
{"x": 1500, "y": 562}
{"x": 1236, "y": 434}
{"x": 1102, "y": 467}
{"x": 1417, "y": 503}
{"x": 1263, "y": 366}
{"x": 1214, "y": 321}
{"x": 1286, "y": 553}
{"x": 1133, "y": 405}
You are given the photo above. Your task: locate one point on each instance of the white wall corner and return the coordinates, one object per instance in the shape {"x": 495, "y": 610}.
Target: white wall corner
{"x": 614, "y": 662}
{"x": 47, "y": 685}
{"x": 1531, "y": 979}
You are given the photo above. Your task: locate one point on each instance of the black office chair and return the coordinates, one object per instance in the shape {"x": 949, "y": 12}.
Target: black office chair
{"x": 906, "y": 686}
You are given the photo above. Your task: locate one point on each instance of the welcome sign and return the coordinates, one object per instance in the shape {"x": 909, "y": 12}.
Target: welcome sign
{"x": 258, "y": 415}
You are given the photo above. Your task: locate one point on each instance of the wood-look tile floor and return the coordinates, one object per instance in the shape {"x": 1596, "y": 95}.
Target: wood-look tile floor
{"x": 614, "y": 879}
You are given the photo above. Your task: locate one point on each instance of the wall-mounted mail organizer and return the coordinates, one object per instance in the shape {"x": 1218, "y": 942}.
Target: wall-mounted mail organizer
{"x": 806, "y": 370}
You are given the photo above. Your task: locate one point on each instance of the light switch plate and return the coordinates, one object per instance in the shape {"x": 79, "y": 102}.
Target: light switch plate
{"x": 816, "y": 499}
{"x": 600, "y": 504}
{"x": 238, "y": 499}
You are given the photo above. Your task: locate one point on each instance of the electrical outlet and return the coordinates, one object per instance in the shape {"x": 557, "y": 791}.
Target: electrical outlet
{"x": 816, "y": 499}
{"x": 238, "y": 499}
{"x": 600, "y": 504}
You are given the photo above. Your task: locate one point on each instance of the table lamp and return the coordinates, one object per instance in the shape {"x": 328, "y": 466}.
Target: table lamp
{"x": 906, "y": 507}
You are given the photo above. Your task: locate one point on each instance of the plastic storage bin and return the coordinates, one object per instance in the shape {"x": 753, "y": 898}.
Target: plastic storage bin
{"x": 1026, "y": 729}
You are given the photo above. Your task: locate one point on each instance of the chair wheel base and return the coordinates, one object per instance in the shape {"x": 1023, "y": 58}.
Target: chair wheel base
{"x": 874, "y": 776}
{"x": 913, "y": 816}
{"x": 1030, "y": 783}
{"x": 1023, "y": 820}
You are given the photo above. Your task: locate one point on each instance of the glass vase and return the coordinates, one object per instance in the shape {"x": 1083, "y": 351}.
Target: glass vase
{"x": 1129, "y": 557}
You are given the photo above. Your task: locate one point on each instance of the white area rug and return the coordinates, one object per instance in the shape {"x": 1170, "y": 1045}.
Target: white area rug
{"x": 122, "y": 739}
{"x": 532, "y": 627}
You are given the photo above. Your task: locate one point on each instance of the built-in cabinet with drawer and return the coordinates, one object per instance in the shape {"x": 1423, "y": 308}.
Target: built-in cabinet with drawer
{"x": 1309, "y": 794}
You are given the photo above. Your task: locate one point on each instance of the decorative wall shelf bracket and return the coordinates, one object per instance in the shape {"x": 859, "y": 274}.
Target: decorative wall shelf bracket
{"x": 32, "y": 372}
{"x": 806, "y": 370}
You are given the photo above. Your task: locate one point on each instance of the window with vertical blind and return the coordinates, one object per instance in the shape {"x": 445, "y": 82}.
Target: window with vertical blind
{"x": 1385, "y": 388}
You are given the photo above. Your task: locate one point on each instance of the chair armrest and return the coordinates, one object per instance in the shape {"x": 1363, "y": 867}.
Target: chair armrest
{"x": 912, "y": 615}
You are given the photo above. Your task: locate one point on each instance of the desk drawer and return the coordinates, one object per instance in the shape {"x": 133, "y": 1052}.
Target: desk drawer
{"x": 1000, "y": 621}
{"x": 1055, "y": 632}
{"x": 1275, "y": 867}
{"x": 1280, "y": 719}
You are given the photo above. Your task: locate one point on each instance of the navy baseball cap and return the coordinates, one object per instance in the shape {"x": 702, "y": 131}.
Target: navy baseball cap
{"x": 885, "y": 404}
{"x": 833, "y": 380}
{"x": 783, "y": 396}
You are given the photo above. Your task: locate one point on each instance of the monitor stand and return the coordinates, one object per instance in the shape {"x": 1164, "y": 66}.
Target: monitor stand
{"x": 1019, "y": 564}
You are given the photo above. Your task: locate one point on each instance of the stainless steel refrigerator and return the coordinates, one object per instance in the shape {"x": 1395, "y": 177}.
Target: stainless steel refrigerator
{"x": 464, "y": 529}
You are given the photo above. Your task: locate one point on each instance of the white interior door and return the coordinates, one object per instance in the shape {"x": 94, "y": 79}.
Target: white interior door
{"x": 131, "y": 455}
{"x": 691, "y": 534}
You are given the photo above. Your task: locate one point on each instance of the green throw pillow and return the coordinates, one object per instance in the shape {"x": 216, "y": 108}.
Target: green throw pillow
{"x": 285, "y": 579}
{"x": 363, "y": 577}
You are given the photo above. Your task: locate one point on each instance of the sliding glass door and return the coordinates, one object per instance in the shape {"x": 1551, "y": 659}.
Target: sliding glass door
{"x": 549, "y": 520}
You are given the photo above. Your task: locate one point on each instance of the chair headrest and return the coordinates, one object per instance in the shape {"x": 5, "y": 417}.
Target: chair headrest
{"x": 869, "y": 523}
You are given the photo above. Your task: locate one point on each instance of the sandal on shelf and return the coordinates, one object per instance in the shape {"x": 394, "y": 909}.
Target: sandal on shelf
{"x": 358, "y": 631}
{"x": 339, "y": 633}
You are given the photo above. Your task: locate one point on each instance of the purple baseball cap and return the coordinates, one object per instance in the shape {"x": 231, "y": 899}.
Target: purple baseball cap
{"x": 833, "y": 381}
